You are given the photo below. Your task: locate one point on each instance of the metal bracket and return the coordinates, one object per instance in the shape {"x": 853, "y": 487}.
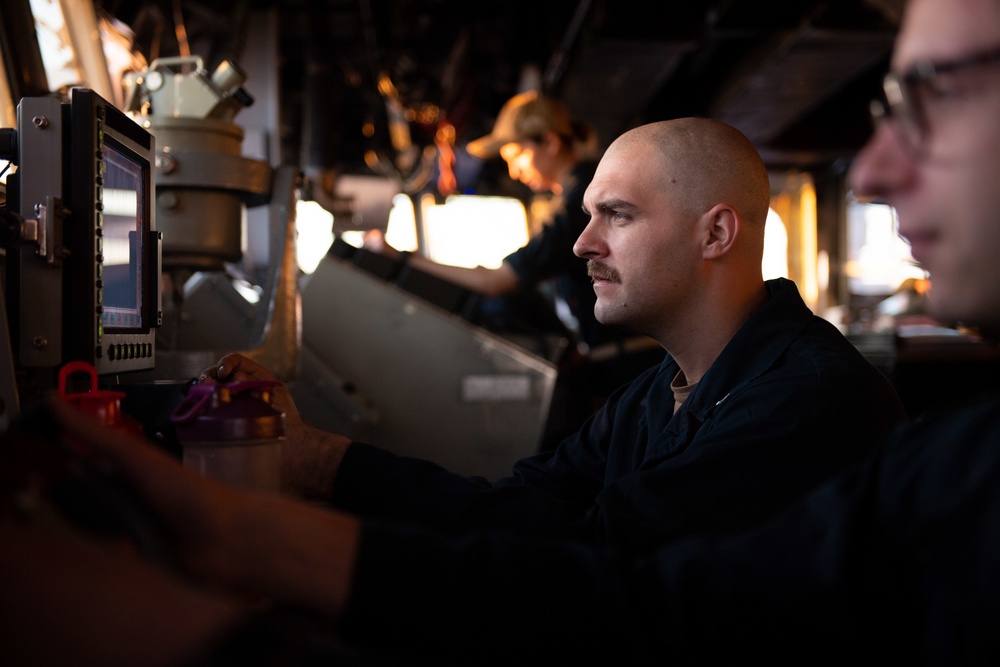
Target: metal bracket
{"x": 46, "y": 230}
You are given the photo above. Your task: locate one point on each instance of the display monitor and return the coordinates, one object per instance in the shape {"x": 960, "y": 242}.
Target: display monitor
{"x": 85, "y": 175}
{"x": 113, "y": 288}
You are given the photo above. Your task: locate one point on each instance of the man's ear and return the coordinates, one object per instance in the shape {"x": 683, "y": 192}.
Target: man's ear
{"x": 722, "y": 226}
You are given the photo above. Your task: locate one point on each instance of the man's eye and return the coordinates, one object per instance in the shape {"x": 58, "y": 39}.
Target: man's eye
{"x": 943, "y": 90}
{"x": 946, "y": 86}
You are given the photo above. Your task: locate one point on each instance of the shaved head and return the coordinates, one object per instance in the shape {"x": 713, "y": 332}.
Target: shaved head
{"x": 707, "y": 162}
{"x": 676, "y": 233}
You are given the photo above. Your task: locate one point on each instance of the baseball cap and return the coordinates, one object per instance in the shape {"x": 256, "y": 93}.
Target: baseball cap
{"x": 526, "y": 116}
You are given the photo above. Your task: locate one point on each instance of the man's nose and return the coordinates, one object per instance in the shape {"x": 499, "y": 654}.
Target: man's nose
{"x": 585, "y": 245}
{"x": 883, "y": 165}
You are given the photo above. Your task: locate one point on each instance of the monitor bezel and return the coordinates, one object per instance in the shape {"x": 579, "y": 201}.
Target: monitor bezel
{"x": 94, "y": 122}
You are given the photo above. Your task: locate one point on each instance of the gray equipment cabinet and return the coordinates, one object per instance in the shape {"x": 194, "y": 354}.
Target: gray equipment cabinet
{"x": 411, "y": 377}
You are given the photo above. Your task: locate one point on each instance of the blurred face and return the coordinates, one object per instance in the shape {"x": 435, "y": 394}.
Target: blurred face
{"x": 942, "y": 178}
{"x": 643, "y": 251}
{"x": 531, "y": 163}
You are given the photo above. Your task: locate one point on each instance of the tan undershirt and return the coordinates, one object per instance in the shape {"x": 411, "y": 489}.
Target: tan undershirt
{"x": 681, "y": 389}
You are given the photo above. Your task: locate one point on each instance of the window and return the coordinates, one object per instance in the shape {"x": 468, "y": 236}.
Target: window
{"x": 878, "y": 259}
{"x": 465, "y": 231}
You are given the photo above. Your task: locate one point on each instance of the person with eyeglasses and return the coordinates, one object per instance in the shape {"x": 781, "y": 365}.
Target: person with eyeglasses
{"x": 898, "y": 560}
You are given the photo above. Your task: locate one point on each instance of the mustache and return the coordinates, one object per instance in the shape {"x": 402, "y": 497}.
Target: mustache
{"x": 602, "y": 271}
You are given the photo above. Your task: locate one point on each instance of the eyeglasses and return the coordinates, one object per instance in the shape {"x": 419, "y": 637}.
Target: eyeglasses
{"x": 907, "y": 95}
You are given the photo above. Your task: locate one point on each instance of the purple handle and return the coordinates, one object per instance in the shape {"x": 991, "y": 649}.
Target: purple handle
{"x": 198, "y": 396}
{"x": 201, "y": 395}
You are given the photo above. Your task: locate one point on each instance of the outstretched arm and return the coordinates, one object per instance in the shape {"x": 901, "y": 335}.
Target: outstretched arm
{"x": 491, "y": 282}
{"x": 255, "y": 544}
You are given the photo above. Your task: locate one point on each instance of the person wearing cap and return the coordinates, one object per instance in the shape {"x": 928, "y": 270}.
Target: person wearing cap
{"x": 546, "y": 149}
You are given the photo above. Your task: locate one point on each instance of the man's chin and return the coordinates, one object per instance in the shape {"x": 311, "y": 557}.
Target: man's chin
{"x": 606, "y": 320}
{"x": 610, "y": 320}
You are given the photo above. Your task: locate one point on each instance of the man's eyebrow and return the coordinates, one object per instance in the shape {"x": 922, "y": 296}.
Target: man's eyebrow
{"x": 611, "y": 205}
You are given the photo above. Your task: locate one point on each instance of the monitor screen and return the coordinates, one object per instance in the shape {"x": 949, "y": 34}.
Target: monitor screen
{"x": 123, "y": 238}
